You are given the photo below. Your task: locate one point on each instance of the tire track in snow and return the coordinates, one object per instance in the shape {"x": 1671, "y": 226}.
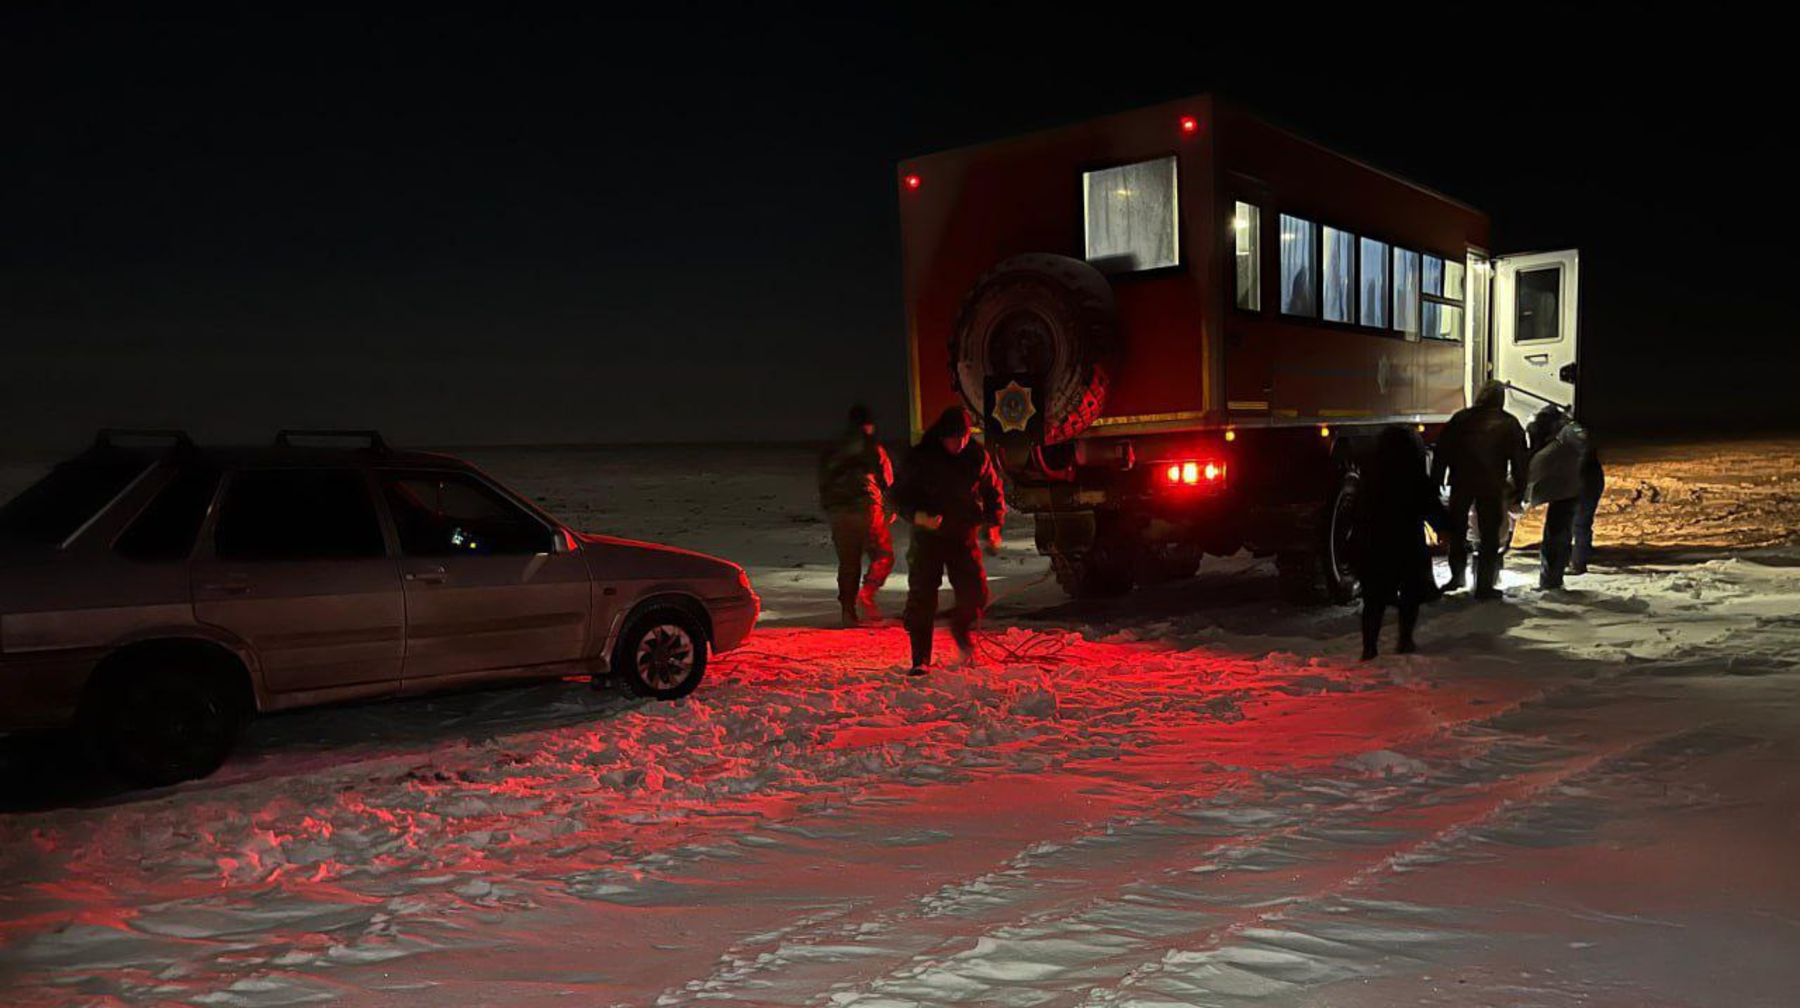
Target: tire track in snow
{"x": 1037, "y": 919}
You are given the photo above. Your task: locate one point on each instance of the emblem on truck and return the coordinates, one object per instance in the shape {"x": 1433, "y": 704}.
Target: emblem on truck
{"x": 1013, "y": 407}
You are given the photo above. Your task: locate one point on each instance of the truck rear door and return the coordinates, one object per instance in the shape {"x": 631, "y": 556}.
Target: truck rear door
{"x": 1535, "y": 329}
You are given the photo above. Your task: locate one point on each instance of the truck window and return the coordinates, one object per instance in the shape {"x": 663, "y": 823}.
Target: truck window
{"x": 1406, "y": 291}
{"x": 1131, "y": 216}
{"x": 298, "y": 514}
{"x": 1247, "y": 224}
{"x": 165, "y": 530}
{"x": 1536, "y": 297}
{"x": 1338, "y": 268}
{"x": 1374, "y": 301}
{"x": 53, "y": 508}
{"x": 1299, "y": 267}
{"x": 1442, "y": 310}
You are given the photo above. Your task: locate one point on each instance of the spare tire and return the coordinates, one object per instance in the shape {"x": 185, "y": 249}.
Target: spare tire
{"x": 1044, "y": 315}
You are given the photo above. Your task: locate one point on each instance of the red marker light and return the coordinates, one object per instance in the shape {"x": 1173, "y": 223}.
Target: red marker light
{"x": 1174, "y": 474}
{"x": 912, "y": 181}
{"x": 1189, "y": 124}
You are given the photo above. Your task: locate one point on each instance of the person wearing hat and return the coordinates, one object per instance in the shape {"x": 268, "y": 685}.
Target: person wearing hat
{"x": 854, "y": 472}
{"x": 1479, "y": 448}
{"x": 949, "y": 491}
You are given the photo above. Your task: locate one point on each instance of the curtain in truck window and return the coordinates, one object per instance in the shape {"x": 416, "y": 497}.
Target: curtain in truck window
{"x": 1441, "y": 313}
{"x": 1338, "y": 271}
{"x": 1131, "y": 216}
{"x": 1246, "y": 224}
{"x": 1374, "y": 300}
{"x": 1299, "y": 267}
{"x": 1406, "y": 291}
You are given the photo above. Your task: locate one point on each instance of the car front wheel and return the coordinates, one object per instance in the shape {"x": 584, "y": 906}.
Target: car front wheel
{"x": 662, "y": 655}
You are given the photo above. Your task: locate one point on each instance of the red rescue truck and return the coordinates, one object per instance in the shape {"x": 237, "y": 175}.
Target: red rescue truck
{"x": 1182, "y": 327}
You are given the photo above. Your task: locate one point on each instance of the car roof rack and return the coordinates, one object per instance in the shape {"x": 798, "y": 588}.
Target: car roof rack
{"x": 284, "y": 438}
{"x": 110, "y": 437}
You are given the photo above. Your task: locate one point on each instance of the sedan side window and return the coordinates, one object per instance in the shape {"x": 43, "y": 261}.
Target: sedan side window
{"x": 298, "y": 514}
{"x": 454, "y": 514}
{"x": 166, "y": 529}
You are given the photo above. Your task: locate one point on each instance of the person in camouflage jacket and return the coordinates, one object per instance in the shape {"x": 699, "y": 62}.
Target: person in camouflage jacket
{"x": 854, "y": 475}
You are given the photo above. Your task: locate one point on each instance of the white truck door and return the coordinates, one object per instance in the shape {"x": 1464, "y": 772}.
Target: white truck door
{"x": 1535, "y": 329}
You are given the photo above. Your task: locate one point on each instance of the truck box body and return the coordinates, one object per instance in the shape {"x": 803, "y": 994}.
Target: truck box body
{"x": 1190, "y": 358}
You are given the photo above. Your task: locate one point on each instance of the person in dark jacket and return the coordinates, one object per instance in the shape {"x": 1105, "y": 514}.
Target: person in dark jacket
{"x": 1593, "y": 487}
{"x": 950, "y": 492}
{"x": 1558, "y": 458}
{"x": 1480, "y": 448}
{"x": 1393, "y": 561}
{"x": 854, "y": 472}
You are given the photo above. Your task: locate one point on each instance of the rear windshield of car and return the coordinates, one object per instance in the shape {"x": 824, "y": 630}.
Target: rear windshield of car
{"x": 50, "y": 510}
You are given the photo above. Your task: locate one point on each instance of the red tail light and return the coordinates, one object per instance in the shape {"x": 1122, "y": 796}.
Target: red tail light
{"x": 1189, "y": 124}
{"x": 912, "y": 181}
{"x": 1194, "y": 472}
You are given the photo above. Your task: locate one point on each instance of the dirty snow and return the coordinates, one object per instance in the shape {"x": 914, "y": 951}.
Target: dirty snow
{"x": 1190, "y": 797}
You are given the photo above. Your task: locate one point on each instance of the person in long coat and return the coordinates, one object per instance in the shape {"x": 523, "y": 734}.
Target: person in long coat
{"x": 1393, "y": 561}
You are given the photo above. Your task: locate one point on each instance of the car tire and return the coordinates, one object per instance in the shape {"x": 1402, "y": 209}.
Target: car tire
{"x": 661, "y": 654}
{"x": 160, "y": 722}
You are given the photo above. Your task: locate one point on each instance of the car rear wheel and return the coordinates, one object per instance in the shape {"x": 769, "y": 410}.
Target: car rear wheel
{"x": 156, "y": 724}
{"x": 662, "y": 655}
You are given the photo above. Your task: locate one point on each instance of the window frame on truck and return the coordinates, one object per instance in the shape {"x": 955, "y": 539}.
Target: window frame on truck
{"x": 1116, "y": 273}
{"x": 1442, "y": 301}
{"x": 1246, "y": 229}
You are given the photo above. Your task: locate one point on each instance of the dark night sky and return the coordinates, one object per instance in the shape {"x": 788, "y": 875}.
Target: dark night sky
{"x": 682, "y": 226}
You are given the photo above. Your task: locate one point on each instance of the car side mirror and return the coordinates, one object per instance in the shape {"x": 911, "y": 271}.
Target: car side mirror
{"x": 562, "y": 540}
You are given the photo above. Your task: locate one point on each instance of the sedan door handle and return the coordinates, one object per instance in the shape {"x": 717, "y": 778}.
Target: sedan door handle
{"x": 430, "y": 575}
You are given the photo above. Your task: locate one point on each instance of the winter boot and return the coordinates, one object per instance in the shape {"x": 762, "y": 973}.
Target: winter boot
{"x": 1459, "y": 580}
{"x": 1487, "y": 577}
{"x": 865, "y": 605}
{"x": 849, "y": 617}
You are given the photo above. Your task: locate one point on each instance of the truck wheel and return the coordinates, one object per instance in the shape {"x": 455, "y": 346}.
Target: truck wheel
{"x": 1341, "y": 583}
{"x": 161, "y": 722}
{"x": 662, "y": 654}
{"x": 1301, "y": 574}
{"x": 1168, "y": 562}
{"x": 1043, "y": 315}
{"x": 1326, "y": 573}
{"x": 1098, "y": 573}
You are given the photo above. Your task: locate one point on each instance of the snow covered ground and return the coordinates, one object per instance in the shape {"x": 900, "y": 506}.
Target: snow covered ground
{"x": 1193, "y": 796}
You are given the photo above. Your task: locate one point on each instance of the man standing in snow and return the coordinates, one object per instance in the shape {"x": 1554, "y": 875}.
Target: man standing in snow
{"x": 1559, "y": 452}
{"x": 854, "y": 472}
{"x": 950, "y": 492}
{"x": 1478, "y": 447}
